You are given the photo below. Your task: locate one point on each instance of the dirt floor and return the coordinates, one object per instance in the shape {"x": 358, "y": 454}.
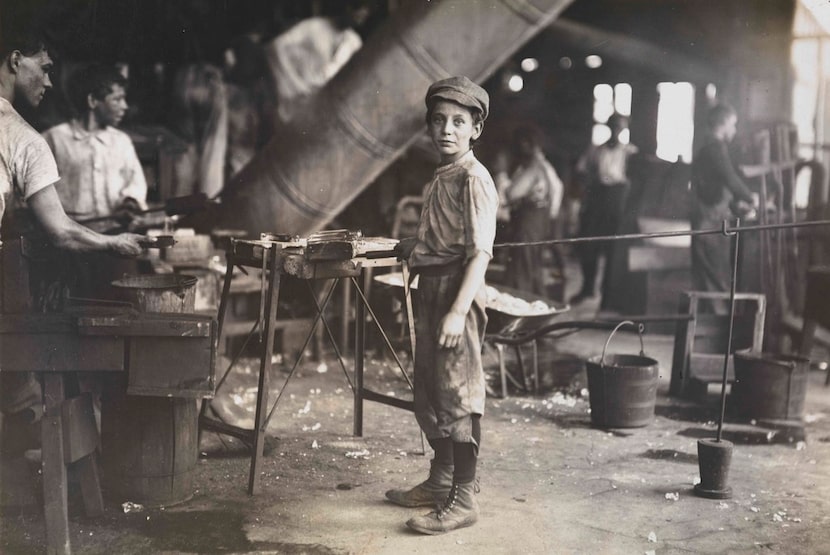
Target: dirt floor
{"x": 550, "y": 482}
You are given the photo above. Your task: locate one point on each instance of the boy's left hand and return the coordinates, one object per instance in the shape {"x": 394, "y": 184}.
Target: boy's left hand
{"x": 451, "y": 330}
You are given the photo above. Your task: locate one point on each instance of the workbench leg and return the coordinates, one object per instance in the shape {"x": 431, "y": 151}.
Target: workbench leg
{"x": 808, "y": 330}
{"x": 359, "y": 359}
{"x": 684, "y": 337}
{"x": 226, "y": 295}
{"x": 535, "y": 367}
{"x": 55, "y": 501}
{"x": 502, "y": 370}
{"x": 90, "y": 479}
{"x": 261, "y": 422}
{"x": 346, "y": 314}
{"x": 223, "y": 307}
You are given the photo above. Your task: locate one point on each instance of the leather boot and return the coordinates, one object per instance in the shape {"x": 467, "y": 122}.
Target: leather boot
{"x": 459, "y": 511}
{"x": 429, "y": 493}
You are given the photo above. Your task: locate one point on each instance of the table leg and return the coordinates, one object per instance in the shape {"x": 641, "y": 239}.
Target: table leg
{"x": 359, "y": 359}
{"x": 535, "y": 367}
{"x": 261, "y": 422}
{"x": 502, "y": 370}
{"x": 808, "y": 330}
{"x": 55, "y": 500}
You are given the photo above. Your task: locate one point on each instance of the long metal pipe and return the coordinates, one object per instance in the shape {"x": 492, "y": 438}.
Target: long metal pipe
{"x": 373, "y": 109}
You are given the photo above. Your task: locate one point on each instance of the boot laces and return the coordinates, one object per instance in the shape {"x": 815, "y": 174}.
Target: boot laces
{"x": 449, "y": 503}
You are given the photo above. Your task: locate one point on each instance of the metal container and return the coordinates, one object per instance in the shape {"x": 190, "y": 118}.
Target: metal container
{"x": 622, "y": 388}
{"x": 159, "y": 292}
{"x": 149, "y": 445}
{"x": 769, "y": 385}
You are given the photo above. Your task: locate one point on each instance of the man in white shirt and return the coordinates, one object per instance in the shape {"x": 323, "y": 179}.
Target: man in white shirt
{"x": 28, "y": 174}
{"x": 100, "y": 171}
{"x": 604, "y": 171}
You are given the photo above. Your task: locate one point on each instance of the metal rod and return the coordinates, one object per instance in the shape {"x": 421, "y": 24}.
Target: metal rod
{"x": 337, "y": 352}
{"x": 737, "y": 243}
{"x": 383, "y": 335}
{"x": 316, "y": 321}
{"x": 658, "y": 234}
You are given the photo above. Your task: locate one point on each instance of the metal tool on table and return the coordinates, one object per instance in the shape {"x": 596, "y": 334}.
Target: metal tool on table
{"x": 336, "y": 244}
{"x": 158, "y": 242}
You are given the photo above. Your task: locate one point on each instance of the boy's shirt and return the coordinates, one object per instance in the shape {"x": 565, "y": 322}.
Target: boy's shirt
{"x": 98, "y": 170}
{"x": 458, "y": 218}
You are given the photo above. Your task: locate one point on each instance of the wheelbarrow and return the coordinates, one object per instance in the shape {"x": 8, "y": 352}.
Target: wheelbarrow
{"x": 515, "y": 315}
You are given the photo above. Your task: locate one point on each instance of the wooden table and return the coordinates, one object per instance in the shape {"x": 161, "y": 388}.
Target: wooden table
{"x": 59, "y": 346}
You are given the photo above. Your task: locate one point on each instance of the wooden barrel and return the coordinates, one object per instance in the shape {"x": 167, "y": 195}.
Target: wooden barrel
{"x": 149, "y": 448}
{"x": 149, "y": 445}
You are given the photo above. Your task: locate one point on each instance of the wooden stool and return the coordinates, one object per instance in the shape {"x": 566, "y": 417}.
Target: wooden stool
{"x": 700, "y": 341}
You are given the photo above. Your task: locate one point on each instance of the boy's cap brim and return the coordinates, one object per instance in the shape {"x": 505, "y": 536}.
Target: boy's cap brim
{"x": 462, "y": 91}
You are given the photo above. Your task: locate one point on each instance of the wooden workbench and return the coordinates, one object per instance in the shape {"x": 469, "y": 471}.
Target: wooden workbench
{"x": 59, "y": 346}
{"x": 276, "y": 259}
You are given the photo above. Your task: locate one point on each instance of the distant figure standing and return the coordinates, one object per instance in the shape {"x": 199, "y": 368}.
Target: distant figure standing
{"x": 718, "y": 192}
{"x": 534, "y": 195}
{"x": 603, "y": 170}
{"x": 250, "y": 93}
{"x": 199, "y": 115}
{"x": 305, "y": 57}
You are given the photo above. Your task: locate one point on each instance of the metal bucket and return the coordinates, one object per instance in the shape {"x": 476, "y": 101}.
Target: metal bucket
{"x": 769, "y": 385}
{"x": 159, "y": 292}
{"x": 622, "y": 388}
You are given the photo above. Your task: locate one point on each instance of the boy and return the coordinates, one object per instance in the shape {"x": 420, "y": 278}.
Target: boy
{"x": 450, "y": 253}
{"x": 99, "y": 168}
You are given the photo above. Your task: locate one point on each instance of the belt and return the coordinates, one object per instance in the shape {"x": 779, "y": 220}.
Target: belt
{"x": 436, "y": 270}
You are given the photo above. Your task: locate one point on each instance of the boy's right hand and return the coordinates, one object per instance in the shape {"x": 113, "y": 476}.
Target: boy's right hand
{"x": 405, "y": 247}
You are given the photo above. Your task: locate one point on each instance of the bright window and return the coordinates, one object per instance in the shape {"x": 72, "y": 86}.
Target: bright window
{"x": 675, "y": 121}
{"x": 607, "y": 100}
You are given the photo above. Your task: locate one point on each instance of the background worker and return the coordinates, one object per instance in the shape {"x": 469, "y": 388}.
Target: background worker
{"x": 450, "y": 254}
{"x": 99, "y": 168}
{"x": 603, "y": 171}
{"x": 534, "y": 195}
{"x": 28, "y": 174}
{"x": 719, "y": 194}
{"x": 101, "y": 176}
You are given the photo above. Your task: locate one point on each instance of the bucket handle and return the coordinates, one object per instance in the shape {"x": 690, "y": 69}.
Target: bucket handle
{"x": 640, "y": 329}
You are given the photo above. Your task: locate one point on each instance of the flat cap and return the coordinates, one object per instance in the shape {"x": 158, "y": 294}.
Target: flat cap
{"x": 461, "y": 90}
